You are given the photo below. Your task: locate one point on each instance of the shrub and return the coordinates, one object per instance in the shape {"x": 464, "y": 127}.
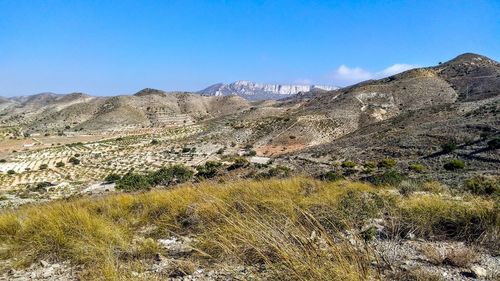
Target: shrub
{"x": 74, "y": 160}
{"x": 392, "y": 178}
{"x": 43, "y": 166}
{"x": 252, "y": 153}
{"x": 112, "y": 178}
{"x": 387, "y": 163}
{"x": 11, "y": 172}
{"x": 170, "y": 175}
{"x": 208, "y": 170}
{"x": 60, "y": 164}
{"x": 238, "y": 162}
{"x": 331, "y": 176}
{"x": 494, "y": 143}
{"x": 186, "y": 149}
{"x": 455, "y": 164}
{"x": 220, "y": 151}
{"x": 348, "y": 164}
{"x": 3, "y": 160}
{"x": 154, "y": 142}
{"x": 417, "y": 167}
{"x": 133, "y": 182}
{"x": 449, "y": 146}
{"x": 483, "y": 185}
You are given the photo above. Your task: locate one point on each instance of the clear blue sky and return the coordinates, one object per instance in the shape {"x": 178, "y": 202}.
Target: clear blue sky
{"x": 118, "y": 47}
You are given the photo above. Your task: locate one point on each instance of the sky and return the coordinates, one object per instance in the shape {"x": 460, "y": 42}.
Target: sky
{"x": 119, "y": 47}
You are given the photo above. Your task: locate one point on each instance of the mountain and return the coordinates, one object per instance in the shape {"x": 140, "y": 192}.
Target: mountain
{"x": 257, "y": 91}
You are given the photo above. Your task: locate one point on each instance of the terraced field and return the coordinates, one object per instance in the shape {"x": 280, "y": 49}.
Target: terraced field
{"x": 99, "y": 158}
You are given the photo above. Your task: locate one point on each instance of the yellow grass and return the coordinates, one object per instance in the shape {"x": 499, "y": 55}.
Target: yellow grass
{"x": 289, "y": 225}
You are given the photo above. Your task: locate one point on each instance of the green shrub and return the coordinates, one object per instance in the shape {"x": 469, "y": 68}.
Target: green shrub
{"x": 111, "y": 178}
{"x": 387, "y": 163}
{"x": 3, "y": 160}
{"x": 208, "y": 170}
{"x": 43, "y": 166}
{"x": 417, "y": 167}
{"x": 449, "y": 146}
{"x": 348, "y": 164}
{"x": 331, "y": 176}
{"x": 60, "y": 164}
{"x": 133, "y": 182}
{"x": 154, "y": 142}
{"x": 171, "y": 175}
{"x": 252, "y": 153}
{"x": 238, "y": 162}
{"x": 11, "y": 172}
{"x": 392, "y": 178}
{"x": 455, "y": 164}
{"x": 483, "y": 185}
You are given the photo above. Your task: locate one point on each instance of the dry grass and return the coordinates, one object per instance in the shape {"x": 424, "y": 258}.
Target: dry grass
{"x": 459, "y": 257}
{"x": 291, "y": 226}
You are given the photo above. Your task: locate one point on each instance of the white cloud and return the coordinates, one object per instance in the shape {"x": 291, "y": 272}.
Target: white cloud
{"x": 395, "y": 69}
{"x": 344, "y": 75}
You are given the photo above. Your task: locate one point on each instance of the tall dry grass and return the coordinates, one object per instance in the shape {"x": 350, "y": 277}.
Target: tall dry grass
{"x": 293, "y": 227}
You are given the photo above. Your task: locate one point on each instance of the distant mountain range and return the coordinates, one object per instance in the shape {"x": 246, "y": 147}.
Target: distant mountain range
{"x": 258, "y": 91}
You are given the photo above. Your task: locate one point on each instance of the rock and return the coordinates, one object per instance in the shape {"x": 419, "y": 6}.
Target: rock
{"x": 44, "y": 263}
{"x": 478, "y": 271}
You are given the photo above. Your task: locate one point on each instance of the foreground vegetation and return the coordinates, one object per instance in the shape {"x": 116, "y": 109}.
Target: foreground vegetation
{"x": 298, "y": 228}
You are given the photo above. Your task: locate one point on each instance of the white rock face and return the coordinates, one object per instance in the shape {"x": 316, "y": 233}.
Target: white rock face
{"x": 258, "y": 91}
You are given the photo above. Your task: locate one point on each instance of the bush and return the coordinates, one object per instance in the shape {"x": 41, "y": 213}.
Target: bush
{"x": 133, "y": 182}
{"x": 208, "y": 170}
{"x": 252, "y": 153}
{"x": 74, "y": 160}
{"x": 11, "y": 172}
{"x": 112, "y": 178}
{"x": 387, "y": 163}
{"x": 43, "y": 166}
{"x": 170, "y": 175}
{"x": 154, "y": 142}
{"x": 60, "y": 164}
{"x": 483, "y": 185}
{"x": 220, "y": 151}
{"x": 331, "y": 176}
{"x": 392, "y": 178}
{"x": 449, "y": 146}
{"x": 417, "y": 168}
{"x": 348, "y": 164}
{"x": 238, "y": 162}
{"x": 455, "y": 164}
{"x": 3, "y": 160}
